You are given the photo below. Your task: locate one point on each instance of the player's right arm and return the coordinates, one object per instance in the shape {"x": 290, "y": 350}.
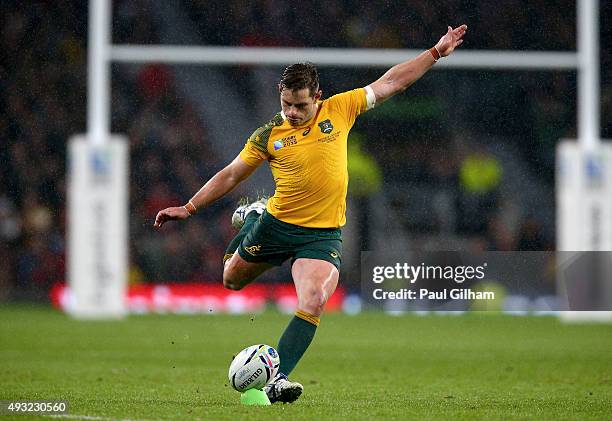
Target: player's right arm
{"x": 218, "y": 186}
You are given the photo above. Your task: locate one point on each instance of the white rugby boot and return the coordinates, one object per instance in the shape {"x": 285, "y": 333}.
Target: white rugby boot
{"x": 240, "y": 214}
{"x": 283, "y": 390}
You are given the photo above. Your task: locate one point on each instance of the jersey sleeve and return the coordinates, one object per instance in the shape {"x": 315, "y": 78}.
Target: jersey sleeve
{"x": 255, "y": 150}
{"x": 349, "y": 104}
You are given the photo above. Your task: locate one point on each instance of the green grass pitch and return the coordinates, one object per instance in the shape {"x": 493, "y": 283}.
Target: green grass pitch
{"x": 367, "y": 366}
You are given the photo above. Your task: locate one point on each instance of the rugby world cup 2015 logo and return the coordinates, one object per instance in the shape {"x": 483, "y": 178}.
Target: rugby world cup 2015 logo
{"x": 326, "y": 126}
{"x": 284, "y": 142}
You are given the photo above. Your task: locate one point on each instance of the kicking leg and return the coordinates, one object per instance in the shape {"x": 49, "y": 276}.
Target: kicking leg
{"x": 238, "y": 273}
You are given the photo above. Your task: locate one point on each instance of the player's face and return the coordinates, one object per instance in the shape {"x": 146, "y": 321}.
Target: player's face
{"x": 299, "y": 106}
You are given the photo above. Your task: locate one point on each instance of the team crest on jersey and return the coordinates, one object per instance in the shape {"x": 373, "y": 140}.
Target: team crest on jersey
{"x": 326, "y": 126}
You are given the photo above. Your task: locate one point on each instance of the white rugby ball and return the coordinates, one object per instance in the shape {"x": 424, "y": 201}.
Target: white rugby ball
{"x": 254, "y": 367}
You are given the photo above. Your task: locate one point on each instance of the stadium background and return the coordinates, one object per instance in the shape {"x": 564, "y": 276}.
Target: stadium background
{"x": 464, "y": 159}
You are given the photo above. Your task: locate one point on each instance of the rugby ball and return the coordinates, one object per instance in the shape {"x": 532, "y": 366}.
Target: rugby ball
{"x": 254, "y": 367}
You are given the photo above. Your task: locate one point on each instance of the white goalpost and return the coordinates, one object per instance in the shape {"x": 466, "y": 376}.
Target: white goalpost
{"x": 98, "y": 192}
{"x": 98, "y": 199}
{"x": 584, "y": 174}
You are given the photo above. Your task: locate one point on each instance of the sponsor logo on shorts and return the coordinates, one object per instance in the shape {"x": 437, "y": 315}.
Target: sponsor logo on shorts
{"x": 253, "y": 250}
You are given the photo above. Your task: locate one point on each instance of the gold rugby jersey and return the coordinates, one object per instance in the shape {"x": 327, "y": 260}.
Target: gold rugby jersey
{"x": 308, "y": 162}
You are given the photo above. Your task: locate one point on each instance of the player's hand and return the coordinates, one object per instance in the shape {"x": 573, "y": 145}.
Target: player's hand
{"x": 170, "y": 214}
{"x": 451, "y": 40}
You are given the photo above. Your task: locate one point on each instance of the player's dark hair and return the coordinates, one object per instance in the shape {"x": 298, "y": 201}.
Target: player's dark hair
{"x": 299, "y": 76}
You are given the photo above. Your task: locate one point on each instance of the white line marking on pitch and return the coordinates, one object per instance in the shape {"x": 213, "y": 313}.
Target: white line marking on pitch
{"x": 89, "y": 418}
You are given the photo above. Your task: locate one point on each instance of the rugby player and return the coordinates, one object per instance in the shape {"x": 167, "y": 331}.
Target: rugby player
{"x": 305, "y": 145}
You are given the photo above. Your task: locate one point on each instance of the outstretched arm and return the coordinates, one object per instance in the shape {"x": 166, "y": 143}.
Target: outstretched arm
{"x": 219, "y": 185}
{"x": 402, "y": 75}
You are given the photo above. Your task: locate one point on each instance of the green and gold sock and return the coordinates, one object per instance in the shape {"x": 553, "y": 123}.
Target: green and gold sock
{"x": 295, "y": 340}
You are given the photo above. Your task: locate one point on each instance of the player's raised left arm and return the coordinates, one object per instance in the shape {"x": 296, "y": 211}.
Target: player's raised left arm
{"x": 402, "y": 75}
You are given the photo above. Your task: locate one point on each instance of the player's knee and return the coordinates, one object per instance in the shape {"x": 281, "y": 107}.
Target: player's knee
{"x": 232, "y": 284}
{"x": 314, "y": 301}
{"x": 230, "y": 281}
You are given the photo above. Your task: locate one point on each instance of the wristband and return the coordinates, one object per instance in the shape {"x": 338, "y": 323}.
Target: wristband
{"x": 190, "y": 208}
{"x": 435, "y": 53}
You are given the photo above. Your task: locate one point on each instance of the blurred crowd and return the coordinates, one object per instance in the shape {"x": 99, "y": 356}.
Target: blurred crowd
{"x": 385, "y": 24}
{"x": 43, "y": 102}
{"x": 44, "y": 96}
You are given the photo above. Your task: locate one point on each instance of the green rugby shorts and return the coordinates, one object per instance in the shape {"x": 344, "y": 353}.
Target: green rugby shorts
{"x": 273, "y": 241}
